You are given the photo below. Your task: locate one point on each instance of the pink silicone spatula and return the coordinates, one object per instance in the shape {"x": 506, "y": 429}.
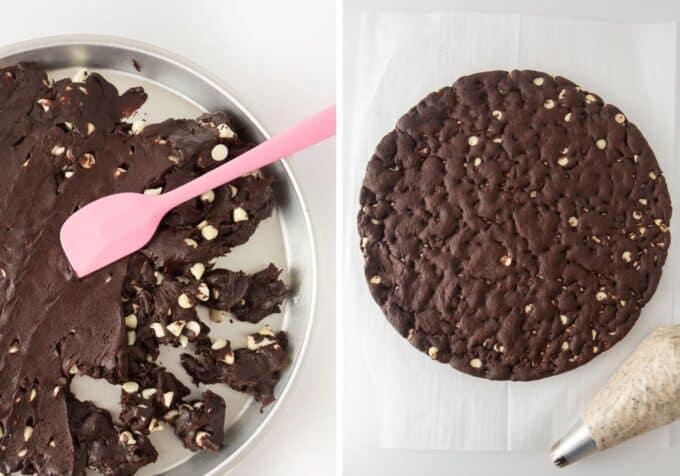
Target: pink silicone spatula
{"x": 114, "y": 226}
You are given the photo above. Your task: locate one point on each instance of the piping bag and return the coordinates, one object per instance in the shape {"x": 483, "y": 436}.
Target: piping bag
{"x": 642, "y": 395}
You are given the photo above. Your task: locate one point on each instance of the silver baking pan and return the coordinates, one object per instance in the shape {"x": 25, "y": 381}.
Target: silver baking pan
{"x": 178, "y": 88}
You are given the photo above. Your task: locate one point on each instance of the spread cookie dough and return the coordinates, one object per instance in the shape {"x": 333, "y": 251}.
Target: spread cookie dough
{"x": 63, "y": 145}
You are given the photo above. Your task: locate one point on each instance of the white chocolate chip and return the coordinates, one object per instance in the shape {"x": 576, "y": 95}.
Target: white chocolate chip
{"x": 228, "y": 358}
{"x": 477, "y": 162}
{"x": 567, "y": 117}
{"x": 374, "y": 280}
{"x": 208, "y": 196}
{"x": 652, "y": 175}
{"x": 155, "y": 426}
{"x": 203, "y": 292}
{"x": 193, "y": 327}
{"x": 80, "y": 76}
{"x": 476, "y": 363}
{"x": 528, "y": 308}
{"x": 190, "y": 242}
{"x": 201, "y": 436}
{"x": 473, "y": 140}
{"x": 564, "y": 346}
{"x": 131, "y": 337}
{"x": 14, "y": 347}
{"x": 252, "y": 344}
{"x": 45, "y": 104}
{"x": 593, "y": 334}
{"x": 130, "y": 387}
{"x": 432, "y": 352}
{"x": 32, "y": 395}
{"x": 562, "y": 93}
{"x": 157, "y": 329}
{"x": 563, "y": 161}
{"x": 209, "y": 232}
{"x": 183, "y": 341}
{"x": 225, "y": 131}
{"x": 131, "y": 321}
{"x": 218, "y": 344}
{"x": 497, "y": 114}
{"x": 601, "y": 144}
{"x": 573, "y": 221}
{"x": 57, "y": 150}
{"x": 153, "y": 191}
{"x": 184, "y": 301}
{"x": 171, "y": 415}
{"x": 626, "y": 256}
{"x": 197, "y": 270}
{"x": 119, "y": 171}
{"x": 90, "y": 128}
{"x": 68, "y": 174}
{"x": 219, "y": 152}
{"x": 590, "y": 98}
{"x": 22, "y": 453}
{"x": 147, "y": 393}
{"x": 620, "y": 118}
{"x": 549, "y": 104}
{"x": 126, "y": 438}
{"x": 217, "y": 315}
{"x": 28, "y": 432}
{"x": 175, "y": 328}
{"x": 538, "y": 81}
{"x": 138, "y": 126}
{"x": 506, "y": 260}
{"x": 637, "y": 214}
{"x": 601, "y": 296}
{"x": 240, "y": 214}
{"x": 167, "y": 398}
{"x": 73, "y": 369}
{"x": 643, "y": 201}
{"x": 233, "y": 190}
{"x": 564, "y": 319}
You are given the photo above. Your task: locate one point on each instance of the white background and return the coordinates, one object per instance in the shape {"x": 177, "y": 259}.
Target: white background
{"x": 360, "y": 460}
{"x": 278, "y": 58}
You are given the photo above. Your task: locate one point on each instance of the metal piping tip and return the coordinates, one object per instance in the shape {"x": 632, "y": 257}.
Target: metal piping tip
{"x": 575, "y": 445}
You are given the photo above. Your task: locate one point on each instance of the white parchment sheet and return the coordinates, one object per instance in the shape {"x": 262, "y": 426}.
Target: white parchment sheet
{"x": 396, "y": 396}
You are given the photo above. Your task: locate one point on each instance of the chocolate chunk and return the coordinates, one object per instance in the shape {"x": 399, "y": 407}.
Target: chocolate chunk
{"x": 253, "y": 370}
{"x": 200, "y": 424}
{"x": 264, "y": 295}
{"x": 100, "y": 444}
{"x": 513, "y": 225}
{"x": 231, "y": 287}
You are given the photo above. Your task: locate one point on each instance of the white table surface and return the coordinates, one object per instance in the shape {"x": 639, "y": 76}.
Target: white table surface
{"x": 278, "y": 58}
{"x": 622, "y": 461}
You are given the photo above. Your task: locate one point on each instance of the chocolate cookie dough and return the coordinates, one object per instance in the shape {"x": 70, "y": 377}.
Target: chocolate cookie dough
{"x": 513, "y": 225}
{"x": 63, "y": 145}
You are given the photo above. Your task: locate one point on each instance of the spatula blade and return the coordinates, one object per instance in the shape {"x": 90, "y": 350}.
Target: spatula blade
{"x": 107, "y": 230}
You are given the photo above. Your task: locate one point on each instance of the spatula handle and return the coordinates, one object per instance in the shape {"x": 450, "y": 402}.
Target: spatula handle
{"x": 314, "y": 129}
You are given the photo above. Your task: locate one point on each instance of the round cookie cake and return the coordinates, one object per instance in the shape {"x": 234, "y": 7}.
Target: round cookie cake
{"x": 513, "y": 225}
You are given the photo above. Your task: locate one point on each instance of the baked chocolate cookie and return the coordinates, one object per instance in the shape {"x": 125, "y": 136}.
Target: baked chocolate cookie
{"x": 513, "y": 225}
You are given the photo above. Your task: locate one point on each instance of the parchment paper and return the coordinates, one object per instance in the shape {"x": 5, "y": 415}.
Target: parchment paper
{"x": 403, "y": 399}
